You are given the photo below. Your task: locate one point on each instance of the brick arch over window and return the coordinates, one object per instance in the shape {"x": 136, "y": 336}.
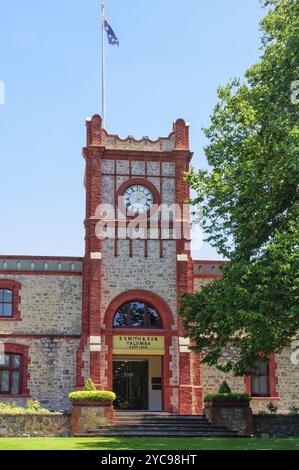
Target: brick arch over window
{"x": 23, "y": 350}
{"x": 143, "y": 296}
{"x": 15, "y": 287}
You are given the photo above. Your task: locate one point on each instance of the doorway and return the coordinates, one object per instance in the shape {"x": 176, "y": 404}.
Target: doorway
{"x": 130, "y": 384}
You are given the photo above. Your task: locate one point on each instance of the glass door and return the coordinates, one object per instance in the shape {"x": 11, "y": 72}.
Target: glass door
{"x": 130, "y": 384}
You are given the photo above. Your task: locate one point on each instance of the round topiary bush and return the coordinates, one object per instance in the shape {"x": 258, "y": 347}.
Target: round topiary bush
{"x": 97, "y": 395}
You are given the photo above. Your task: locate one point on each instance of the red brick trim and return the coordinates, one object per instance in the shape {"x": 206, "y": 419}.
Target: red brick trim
{"x": 209, "y": 262}
{"x": 273, "y": 381}
{"x": 24, "y": 351}
{"x": 145, "y": 296}
{"x": 266, "y": 399}
{"x": 137, "y": 331}
{"x": 91, "y": 298}
{"x": 15, "y": 287}
{"x": 135, "y": 155}
{"x": 181, "y": 134}
{"x": 144, "y": 176}
{"x": 41, "y": 273}
{"x": 41, "y": 258}
{"x": 65, "y": 337}
{"x": 207, "y": 276}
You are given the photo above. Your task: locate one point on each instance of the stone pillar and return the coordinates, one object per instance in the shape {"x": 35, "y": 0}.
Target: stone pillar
{"x": 87, "y": 415}
{"x": 236, "y": 416}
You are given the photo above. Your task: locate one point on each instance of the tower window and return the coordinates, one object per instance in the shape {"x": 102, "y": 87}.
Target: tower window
{"x": 137, "y": 315}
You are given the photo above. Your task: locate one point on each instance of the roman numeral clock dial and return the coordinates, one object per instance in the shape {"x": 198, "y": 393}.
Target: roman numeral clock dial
{"x": 138, "y": 199}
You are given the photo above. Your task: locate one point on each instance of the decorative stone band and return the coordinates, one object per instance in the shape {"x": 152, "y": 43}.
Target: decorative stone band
{"x": 182, "y": 257}
{"x": 184, "y": 344}
{"x": 42, "y": 264}
{"x": 95, "y": 343}
{"x": 96, "y": 255}
{"x": 207, "y": 268}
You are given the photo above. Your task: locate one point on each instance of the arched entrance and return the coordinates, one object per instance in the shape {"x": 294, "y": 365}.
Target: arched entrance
{"x": 139, "y": 326}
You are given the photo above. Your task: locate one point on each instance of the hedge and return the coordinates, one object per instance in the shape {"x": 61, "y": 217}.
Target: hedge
{"x": 227, "y": 397}
{"x": 32, "y": 408}
{"x": 99, "y": 395}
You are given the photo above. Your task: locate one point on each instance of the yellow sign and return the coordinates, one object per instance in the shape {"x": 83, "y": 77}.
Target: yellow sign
{"x": 138, "y": 345}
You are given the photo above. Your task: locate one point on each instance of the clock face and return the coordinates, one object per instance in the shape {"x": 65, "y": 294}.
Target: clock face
{"x": 138, "y": 199}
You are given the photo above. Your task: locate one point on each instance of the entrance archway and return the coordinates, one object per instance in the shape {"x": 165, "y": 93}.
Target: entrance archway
{"x": 139, "y": 330}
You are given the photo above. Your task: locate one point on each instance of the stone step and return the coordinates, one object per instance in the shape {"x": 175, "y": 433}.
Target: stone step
{"x": 160, "y": 418}
{"x": 163, "y": 425}
{"x": 157, "y": 425}
{"x": 136, "y": 412}
{"x": 157, "y": 415}
{"x": 143, "y": 433}
{"x": 151, "y": 424}
{"x": 171, "y": 422}
{"x": 156, "y": 429}
{"x": 189, "y": 417}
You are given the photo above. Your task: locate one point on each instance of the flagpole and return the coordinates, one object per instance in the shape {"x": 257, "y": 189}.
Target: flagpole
{"x": 103, "y": 68}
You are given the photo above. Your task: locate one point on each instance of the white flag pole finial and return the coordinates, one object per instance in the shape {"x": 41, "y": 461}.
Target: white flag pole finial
{"x": 103, "y": 67}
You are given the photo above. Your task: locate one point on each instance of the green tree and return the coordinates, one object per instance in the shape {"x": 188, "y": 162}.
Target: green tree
{"x": 250, "y": 200}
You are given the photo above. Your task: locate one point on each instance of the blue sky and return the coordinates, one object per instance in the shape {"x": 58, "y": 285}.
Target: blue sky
{"x": 172, "y": 57}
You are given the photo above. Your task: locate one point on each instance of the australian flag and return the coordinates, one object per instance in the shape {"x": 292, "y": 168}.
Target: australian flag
{"x": 112, "y": 39}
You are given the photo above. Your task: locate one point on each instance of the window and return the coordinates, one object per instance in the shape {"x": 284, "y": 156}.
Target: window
{"x": 264, "y": 383}
{"x": 260, "y": 382}
{"x": 137, "y": 315}
{"x": 6, "y": 301}
{"x": 11, "y": 374}
{"x": 10, "y": 300}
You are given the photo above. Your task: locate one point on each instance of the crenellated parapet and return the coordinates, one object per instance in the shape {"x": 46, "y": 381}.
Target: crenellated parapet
{"x": 98, "y": 136}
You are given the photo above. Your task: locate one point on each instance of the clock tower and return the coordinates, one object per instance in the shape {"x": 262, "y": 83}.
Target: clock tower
{"x": 136, "y": 262}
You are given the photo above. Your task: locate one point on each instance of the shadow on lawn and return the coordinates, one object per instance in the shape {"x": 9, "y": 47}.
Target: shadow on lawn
{"x": 167, "y": 444}
{"x": 132, "y": 444}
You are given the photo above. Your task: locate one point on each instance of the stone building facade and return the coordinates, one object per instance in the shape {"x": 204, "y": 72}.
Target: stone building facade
{"x": 112, "y": 315}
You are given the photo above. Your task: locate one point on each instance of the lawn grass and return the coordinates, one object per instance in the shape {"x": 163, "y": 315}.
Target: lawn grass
{"x": 291, "y": 443}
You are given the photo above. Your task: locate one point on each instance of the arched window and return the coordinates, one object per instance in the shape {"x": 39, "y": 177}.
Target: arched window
{"x": 137, "y": 315}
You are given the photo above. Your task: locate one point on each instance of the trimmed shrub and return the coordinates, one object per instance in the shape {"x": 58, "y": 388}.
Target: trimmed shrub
{"x": 89, "y": 386}
{"x": 227, "y": 397}
{"x": 33, "y": 405}
{"x": 224, "y": 388}
{"x": 13, "y": 409}
{"x": 98, "y": 395}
